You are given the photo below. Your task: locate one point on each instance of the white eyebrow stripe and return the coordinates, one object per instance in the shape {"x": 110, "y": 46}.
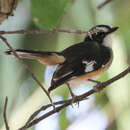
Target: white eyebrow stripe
{"x": 102, "y": 29}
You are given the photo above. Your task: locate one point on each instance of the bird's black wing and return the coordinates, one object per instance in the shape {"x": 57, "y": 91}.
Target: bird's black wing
{"x": 80, "y": 59}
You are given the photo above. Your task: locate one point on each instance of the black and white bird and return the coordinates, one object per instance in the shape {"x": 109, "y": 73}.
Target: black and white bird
{"x": 79, "y": 62}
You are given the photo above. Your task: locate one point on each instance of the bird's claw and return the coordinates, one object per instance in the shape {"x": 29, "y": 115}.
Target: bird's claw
{"x": 97, "y": 88}
{"x": 74, "y": 97}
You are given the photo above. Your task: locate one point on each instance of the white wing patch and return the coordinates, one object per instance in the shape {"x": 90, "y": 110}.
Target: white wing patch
{"x": 63, "y": 76}
{"x": 89, "y": 65}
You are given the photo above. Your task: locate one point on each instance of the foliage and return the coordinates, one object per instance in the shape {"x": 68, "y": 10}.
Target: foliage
{"x": 48, "y": 13}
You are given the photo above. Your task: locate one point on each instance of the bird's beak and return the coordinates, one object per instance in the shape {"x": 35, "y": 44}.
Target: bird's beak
{"x": 113, "y": 29}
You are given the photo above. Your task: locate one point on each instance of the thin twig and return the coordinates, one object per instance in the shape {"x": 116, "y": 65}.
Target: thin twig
{"x": 66, "y": 103}
{"x": 104, "y": 3}
{"x": 27, "y": 68}
{"x": 4, "y": 114}
{"x": 44, "y": 108}
{"x": 43, "y": 31}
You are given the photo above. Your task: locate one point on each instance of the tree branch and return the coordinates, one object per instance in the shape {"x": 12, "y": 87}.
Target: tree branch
{"x": 7, "y": 8}
{"x": 63, "y": 104}
{"x": 4, "y": 114}
{"x": 104, "y": 3}
{"x": 43, "y": 31}
{"x": 27, "y": 68}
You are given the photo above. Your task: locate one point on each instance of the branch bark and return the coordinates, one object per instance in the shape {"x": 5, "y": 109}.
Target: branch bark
{"x": 27, "y": 32}
{"x": 5, "y": 115}
{"x": 7, "y": 8}
{"x": 63, "y": 104}
{"x": 104, "y": 3}
{"x": 27, "y": 68}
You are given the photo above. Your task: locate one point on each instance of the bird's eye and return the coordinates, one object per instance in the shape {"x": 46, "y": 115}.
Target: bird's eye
{"x": 101, "y": 34}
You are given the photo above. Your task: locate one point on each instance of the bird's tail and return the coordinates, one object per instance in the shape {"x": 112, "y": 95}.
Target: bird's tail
{"x": 47, "y": 58}
{"x": 28, "y": 54}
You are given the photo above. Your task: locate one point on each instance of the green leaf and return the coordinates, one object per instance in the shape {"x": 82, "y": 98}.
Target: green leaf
{"x": 48, "y": 13}
{"x": 63, "y": 121}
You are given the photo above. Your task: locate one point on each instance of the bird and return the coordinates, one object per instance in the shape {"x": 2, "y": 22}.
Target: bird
{"x": 79, "y": 63}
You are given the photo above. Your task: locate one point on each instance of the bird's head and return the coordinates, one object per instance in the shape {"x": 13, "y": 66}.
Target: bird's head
{"x": 100, "y": 33}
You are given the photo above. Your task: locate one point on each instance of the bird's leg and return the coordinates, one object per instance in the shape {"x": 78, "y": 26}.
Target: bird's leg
{"x": 53, "y": 105}
{"x": 96, "y": 88}
{"x": 72, "y": 95}
{"x": 95, "y": 81}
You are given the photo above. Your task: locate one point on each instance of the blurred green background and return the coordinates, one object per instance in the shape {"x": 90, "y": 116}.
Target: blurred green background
{"x": 107, "y": 110}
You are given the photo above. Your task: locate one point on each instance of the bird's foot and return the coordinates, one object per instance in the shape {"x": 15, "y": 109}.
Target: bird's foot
{"x": 74, "y": 97}
{"x": 53, "y": 105}
{"x": 51, "y": 102}
{"x": 74, "y": 100}
{"x": 98, "y": 87}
